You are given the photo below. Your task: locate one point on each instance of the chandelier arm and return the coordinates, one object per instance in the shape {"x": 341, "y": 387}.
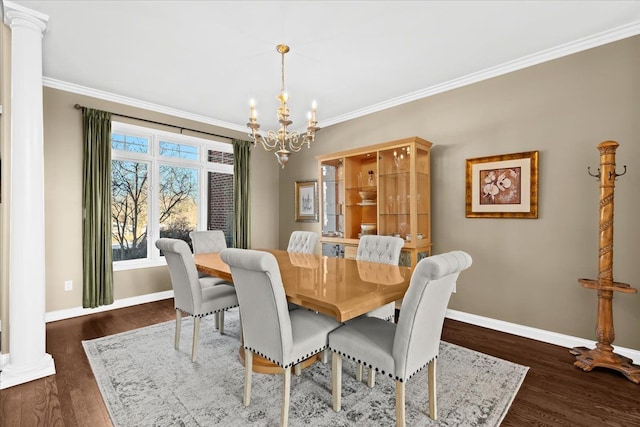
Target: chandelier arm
{"x": 272, "y": 140}
{"x": 267, "y": 143}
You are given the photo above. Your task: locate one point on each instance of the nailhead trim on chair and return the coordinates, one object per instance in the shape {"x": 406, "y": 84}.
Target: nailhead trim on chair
{"x": 368, "y": 365}
{"x": 302, "y": 359}
{"x": 206, "y": 314}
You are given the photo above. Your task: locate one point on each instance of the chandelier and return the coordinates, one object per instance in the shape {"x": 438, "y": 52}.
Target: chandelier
{"x": 283, "y": 140}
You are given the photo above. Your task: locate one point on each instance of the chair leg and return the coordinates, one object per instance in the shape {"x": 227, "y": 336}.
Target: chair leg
{"x": 433, "y": 408}
{"x": 217, "y": 321}
{"x": 248, "y": 368}
{"x": 286, "y": 387}
{"x": 196, "y": 336}
{"x": 325, "y": 356}
{"x": 372, "y": 378}
{"x": 399, "y": 403}
{"x": 359, "y": 369}
{"x": 178, "y": 324}
{"x": 220, "y": 319}
{"x": 297, "y": 369}
{"x": 336, "y": 381}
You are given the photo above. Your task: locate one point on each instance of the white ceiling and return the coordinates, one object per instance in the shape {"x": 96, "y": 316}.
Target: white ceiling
{"x": 207, "y": 59}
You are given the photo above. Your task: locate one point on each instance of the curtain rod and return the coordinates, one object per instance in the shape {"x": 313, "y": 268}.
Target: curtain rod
{"x": 78, "y": 107}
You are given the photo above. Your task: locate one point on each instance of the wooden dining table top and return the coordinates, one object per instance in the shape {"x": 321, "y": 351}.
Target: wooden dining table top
{"x": 339, "y": 287}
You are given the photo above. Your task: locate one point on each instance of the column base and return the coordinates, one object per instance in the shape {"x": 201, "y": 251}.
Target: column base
{"x": 13, "y": 375}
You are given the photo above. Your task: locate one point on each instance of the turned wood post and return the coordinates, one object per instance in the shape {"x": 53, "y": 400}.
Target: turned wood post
{"x": 604, "y": 326}
{"x": 603, "y": 355}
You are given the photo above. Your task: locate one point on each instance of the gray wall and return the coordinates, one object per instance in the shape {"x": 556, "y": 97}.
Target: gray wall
{"x": 525, "y": 271}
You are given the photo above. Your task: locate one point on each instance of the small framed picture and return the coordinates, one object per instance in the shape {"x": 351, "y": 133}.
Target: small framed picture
{"x": 306, "y": 200}
{"x": 504, "y": 186}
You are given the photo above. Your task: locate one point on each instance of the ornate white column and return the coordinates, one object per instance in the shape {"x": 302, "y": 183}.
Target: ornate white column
{"x": 27, "y": 357}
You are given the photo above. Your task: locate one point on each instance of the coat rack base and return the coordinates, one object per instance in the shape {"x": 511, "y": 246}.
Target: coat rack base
{"x": 587, "y": 359}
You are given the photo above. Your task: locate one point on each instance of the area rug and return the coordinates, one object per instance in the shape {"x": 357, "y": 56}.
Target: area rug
{"x": 146, "y": 382}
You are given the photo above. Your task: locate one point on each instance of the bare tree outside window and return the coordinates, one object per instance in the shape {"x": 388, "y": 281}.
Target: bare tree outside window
{"x": 129, "y": 191}
{"x": 162, "y": 186}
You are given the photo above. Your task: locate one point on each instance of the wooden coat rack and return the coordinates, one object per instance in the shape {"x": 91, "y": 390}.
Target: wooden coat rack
{"x": 603, "y": 355}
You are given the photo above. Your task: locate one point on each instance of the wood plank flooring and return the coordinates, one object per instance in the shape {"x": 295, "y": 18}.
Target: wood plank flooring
{"x": 554, "y": 392}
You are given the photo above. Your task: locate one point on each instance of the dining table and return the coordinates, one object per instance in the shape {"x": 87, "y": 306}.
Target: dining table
{"x": 339, "y": 287}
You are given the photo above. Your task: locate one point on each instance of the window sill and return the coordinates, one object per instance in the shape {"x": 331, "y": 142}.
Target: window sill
{"x": 138, "y": 264}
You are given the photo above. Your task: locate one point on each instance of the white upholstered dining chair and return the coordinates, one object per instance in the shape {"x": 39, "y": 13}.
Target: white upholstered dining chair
{"x": 302, "y": 241}
{"x": 206, "y": 242}
{"x": 401, "y": 350}
{"x": 189, "y": 297}
{"x": 382, "y": 250}
{"x": 270, "y": 330}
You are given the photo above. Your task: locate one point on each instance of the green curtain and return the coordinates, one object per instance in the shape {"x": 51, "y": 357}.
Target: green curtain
{"x": 97, "y": 287}
{"x": 241, "y": 194}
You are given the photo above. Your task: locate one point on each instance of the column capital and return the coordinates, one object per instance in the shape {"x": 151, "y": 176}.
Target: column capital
{"x": 20, "y": 16}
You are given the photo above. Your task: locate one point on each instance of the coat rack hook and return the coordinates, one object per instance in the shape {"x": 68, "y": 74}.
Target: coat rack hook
{"x": 596, "y": 176}
{"x": 615, "y": 175}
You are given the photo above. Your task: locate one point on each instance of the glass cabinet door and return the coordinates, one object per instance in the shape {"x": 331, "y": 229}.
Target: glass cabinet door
{"x": 332, "y": 188}
{"x": 395, "y": 192}
{"x": 423, "y": 195}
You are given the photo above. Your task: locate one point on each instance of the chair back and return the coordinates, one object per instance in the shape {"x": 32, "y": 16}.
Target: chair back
{"x": 208, "y": 241}
{"x": 263, "y": 303}
{"x": 381, "y": 249}
{"x": 417, "y": 338}
{"x": 302, "y": 241}
{"x": 187, "y": 293}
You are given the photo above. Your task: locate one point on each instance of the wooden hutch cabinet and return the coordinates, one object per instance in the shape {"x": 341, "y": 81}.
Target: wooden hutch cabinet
{"x": 379, "y": 189}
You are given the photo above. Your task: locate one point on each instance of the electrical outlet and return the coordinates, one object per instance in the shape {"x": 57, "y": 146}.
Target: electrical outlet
{"x": 68, "y": 285}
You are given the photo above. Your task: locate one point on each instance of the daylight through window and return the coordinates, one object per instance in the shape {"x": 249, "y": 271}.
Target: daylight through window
{"x": 165, "y": 185}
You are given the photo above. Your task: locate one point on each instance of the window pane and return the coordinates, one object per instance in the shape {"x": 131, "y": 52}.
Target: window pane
{"x": 220, "y": 204}
{"x": 178, "y": 201}
{"x": 181, "y": 151}
{"x": 221, "y": 157}
{"x": 129, "y": 190}
{"x": 129, "y": 143}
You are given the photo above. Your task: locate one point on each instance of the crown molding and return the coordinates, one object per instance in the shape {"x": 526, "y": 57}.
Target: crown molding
{"x": 108, "y": 96}
{"x": 619, "y": 33}
{"x": 566, "y": 49}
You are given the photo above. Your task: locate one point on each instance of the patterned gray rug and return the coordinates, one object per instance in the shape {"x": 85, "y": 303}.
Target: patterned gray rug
{"x": 146, "y": 382}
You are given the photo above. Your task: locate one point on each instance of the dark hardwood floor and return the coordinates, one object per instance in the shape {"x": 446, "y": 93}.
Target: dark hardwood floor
{"x": 554, "y": 392}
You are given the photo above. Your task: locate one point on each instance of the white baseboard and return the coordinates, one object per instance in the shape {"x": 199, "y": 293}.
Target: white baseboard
{"x": 536, "y": 334}
{"x": 549, "y": 337}
{"x": 68, "y": 313}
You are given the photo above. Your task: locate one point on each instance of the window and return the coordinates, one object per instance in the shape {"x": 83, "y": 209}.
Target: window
{"x": 165, "y": 185}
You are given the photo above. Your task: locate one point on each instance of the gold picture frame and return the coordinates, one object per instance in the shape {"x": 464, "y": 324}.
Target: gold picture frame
{"x": 306, "y": 201}
{"x": 504, "y": 186}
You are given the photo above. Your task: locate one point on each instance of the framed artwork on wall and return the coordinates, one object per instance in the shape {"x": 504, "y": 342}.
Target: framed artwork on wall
{"x": 306, "y": 201}
{"x": 504, "y": 186}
